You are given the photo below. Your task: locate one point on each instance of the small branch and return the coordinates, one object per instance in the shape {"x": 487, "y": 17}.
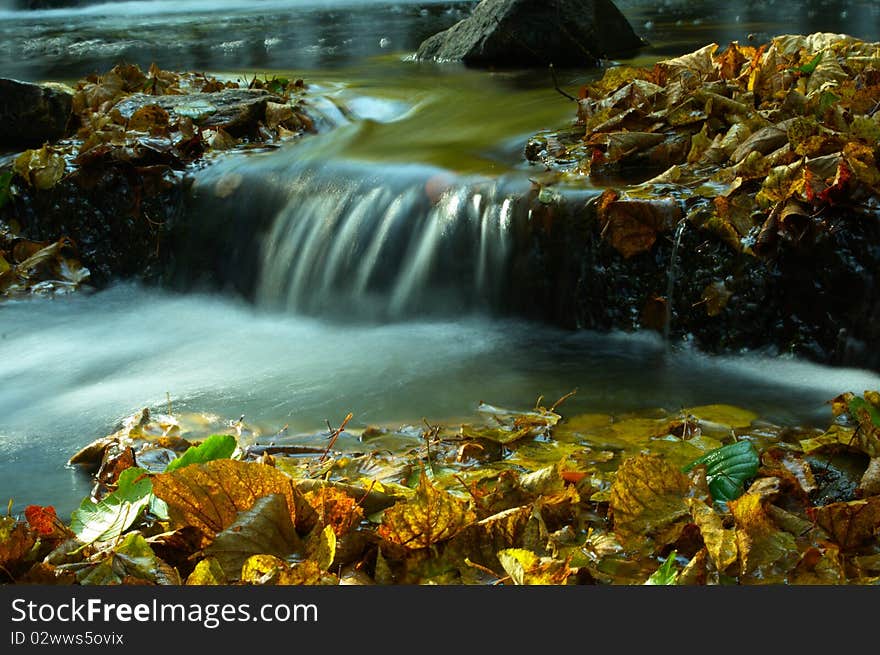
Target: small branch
{"x": 556, "y": 85}
{"x": 333, "y": 437}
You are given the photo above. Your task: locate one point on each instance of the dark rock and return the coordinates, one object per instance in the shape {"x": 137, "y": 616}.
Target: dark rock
{"x": 238, "y": 111}
{"x": 816, "y": 296}
{"x": 535, "y": 33}
{"x": 32, "y": 114}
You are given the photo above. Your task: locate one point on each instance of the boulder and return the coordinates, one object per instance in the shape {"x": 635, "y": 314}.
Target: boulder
{"x": 564, "y": 33}
{"x": 32, "y": 114}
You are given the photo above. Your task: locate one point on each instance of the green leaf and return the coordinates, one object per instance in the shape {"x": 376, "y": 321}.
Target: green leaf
{"x": 217, "y": 446}
{"x": 861, "y": 409}
{"x": 5, "y": 193}
{"x": 809, "y": 67}
{"x": 133, "y": 558}
{"x": 116, "y": 512}
{"x": 727, "y": 469}
{"x": 667, "y": 574}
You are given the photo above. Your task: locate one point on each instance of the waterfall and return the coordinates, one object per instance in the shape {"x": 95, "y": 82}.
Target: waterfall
{"x": 345, "y": 240}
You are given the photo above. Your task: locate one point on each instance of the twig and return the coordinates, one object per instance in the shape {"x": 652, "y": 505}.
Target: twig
{"x": 557, "y": 87}
{"x": 333, "y": 437}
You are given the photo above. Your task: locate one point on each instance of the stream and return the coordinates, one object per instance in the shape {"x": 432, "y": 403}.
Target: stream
{"x": 358, "y": 270}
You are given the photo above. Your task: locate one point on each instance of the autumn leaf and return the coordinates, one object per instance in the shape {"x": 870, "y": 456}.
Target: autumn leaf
{"x": 763, "y": 548}
{"x": 432, "y": 516}
{"x": 632, "y": 226}
{"x": 264, "y": 529}
{"x": 270, "y": 570}
{"x": 335, "y": 508}
{"x": 43, "y": 520}
{"x": 526, "y": 568}
{"x": 16, "y": 540}
{"x": 207, "y": 572}
{"x": 720, "y": 541}
{"x": 209, "y": 496}
{"x": 850, "y": 524}
{"x": 648, "y": 499}
{"x": 131, "y": 559}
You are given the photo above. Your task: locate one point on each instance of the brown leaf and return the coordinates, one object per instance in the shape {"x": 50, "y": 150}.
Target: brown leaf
{"x": 648, "y": 499}
{"x": 433, "y": 515}
{"x": 210, "y": 496}
{"x": 870, "y": 483}
{"x": 849, "y": 524}
{"x": 764, "y": 549}
{"x": 632, "y": 225}
{"x": 16, "y": 539}
{"x": 335, "y": 508}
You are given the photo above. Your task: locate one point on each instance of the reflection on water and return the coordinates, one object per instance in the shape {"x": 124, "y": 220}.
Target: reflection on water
{"x": 72, "y": 367}
{"x": 322, "y": 34}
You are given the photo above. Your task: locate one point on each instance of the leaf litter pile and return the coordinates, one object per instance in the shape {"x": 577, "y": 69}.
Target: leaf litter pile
{"x": 755, "y": 145}
{"x": 150, "y": 126}
{"x": 705, "y": 496}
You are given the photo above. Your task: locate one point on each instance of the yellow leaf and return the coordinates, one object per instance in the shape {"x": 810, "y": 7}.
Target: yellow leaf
{"x": 763, "y": 548}
{"x": 335, "y": 509}
{"x": 734, "y": 417}
{"x": 526, "y": 568}
{"x": 270, "y": 570}
{"x": 207, "y": 572}
{"x": 433, "y": 515}
{"x": 209, "y": 496}
{"x": 720, "y": 542}
{"x": 648, "y": 499}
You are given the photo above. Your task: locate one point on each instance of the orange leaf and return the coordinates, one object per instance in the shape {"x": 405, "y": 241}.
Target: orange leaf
{"x": 42, "y": 519}
{"x": 209, "y": 496}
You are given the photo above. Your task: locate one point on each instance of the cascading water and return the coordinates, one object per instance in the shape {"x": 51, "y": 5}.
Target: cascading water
{"x": 343, "y": 239}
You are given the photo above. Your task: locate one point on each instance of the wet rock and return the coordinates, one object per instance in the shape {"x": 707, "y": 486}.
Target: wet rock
{"x": 535, "y": 33}
{"x": 815, "y": 296}
{"x": 33, "y": 114}
{"x": 237, "y": 111}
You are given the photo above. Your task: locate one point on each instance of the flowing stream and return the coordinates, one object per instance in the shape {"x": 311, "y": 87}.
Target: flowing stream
{"x": 371, "y": 255}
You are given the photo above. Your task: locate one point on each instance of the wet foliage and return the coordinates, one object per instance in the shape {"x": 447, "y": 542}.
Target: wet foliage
{"x": 728, "y": 181}
{"x": 110, "y": 192}
{"x": 709, "y": 495}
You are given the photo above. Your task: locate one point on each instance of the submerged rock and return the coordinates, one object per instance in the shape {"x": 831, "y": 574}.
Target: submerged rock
{"x": 535, "y": 33}
{"x": 33, "y": 114}
{"x": 237, "y": 111}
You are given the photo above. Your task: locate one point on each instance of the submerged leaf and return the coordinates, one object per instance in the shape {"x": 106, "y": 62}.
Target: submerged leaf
{"x": 433, "y": 515}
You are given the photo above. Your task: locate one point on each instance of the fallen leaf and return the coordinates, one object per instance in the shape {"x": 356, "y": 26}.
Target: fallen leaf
{"x": 526, "y": 568}
{"x": 207, "y": 572}
{"x": 850, "y": 524}
{"x": 264, "y": 529}
{"x": 720, "y": 541}
{"x": 764, "y": 549}
{"x": 116, "y": 512}
{"x": 728, "y": 468}
{"x": 433, "y": 515}
{"x": 209, "y": 496}
{"x": 648, "y": 500}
